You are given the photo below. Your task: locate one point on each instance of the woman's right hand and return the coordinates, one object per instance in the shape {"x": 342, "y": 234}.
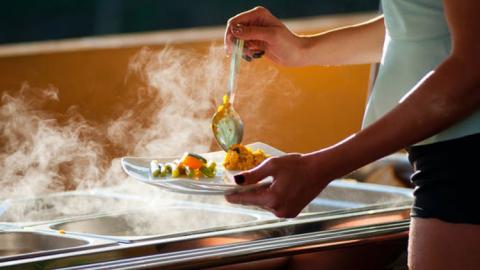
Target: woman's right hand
{"x": 264, "y": 34}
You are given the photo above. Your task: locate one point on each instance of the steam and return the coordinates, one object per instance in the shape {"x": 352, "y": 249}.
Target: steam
{"x": 182, "y": 87}
{"x": 38, "y": 153}
{"x": 44, "y": 152}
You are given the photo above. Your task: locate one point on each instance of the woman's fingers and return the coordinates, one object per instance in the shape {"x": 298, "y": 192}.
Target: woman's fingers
{"x": 256, "y": 38}
{"x": 289, "y": 192}
{"x": 261, "y": 33}
{"x": 258, "y": 16}
{"x": 245, "y": 18}
{"x": 252, "y": 197}
{"x": 262, "y": 197}
{"x": 253, "y": 46}
{"x": 266, "y": 198}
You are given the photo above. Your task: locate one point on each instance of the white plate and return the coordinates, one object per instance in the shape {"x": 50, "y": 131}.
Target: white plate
{"x": 222, "y": 183}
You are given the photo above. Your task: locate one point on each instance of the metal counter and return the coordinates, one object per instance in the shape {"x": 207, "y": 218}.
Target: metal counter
{"x": 346, "y": 213}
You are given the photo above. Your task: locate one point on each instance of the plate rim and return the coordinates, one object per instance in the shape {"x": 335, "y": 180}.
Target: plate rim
{"x": 227, "y": 188}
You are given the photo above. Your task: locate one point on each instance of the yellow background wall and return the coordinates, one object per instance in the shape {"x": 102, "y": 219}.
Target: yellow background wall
{"x": 328, "y": 106}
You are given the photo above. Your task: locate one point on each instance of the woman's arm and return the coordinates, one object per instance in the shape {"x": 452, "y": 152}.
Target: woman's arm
{"x": 264, "y": 33}
{"x": 443, "y": 97}
{"x": 440, "y": 99}
{"x": 356, "y": 44}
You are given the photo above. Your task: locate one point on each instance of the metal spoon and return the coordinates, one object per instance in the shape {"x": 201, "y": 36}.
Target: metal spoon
{"x": 227, "y": 126}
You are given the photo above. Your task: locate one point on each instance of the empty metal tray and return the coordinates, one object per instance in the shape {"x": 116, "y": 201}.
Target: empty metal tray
{"x": 165, "y": 221}
{"x": 61, "y": 206}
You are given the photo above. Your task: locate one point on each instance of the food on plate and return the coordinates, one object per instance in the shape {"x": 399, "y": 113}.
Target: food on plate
{"x": 155, "y": 167}
{"x": 193, "y": 161}
{"x": 209, "y": 169}
{"x": 225, "y": 106}
{"x": 240, "y": 157}
{"x": 190, "y": 165}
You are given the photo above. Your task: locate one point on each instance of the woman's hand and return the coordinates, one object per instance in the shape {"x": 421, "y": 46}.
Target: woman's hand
{"x": 264, "y": 34}
{"x": 295, "y": 184}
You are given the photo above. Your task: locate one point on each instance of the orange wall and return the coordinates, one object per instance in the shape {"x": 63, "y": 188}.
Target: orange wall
{"x": 327, "y": 105}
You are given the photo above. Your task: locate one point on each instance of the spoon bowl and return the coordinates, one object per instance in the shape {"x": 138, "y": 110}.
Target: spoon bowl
{"x": 227, "y": 128}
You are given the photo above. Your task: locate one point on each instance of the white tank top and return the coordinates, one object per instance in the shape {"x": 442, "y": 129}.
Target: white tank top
{"x": 417, "y": 41}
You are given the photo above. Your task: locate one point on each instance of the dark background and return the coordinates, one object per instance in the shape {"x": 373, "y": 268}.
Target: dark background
{"x": 24, "y": 20}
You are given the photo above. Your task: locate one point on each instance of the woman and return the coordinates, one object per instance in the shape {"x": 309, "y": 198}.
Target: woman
{"x": 426, "y": 99}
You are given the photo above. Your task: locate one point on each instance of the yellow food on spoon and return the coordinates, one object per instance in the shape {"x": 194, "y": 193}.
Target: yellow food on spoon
{"x": 225, "y": 106}
{"x": 242, "y": 158}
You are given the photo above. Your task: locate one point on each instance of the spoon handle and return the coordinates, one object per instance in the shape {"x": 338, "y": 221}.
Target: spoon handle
{"x": 234, "y": 67}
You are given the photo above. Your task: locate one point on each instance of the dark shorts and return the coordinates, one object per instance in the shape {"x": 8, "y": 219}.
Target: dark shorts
{"x": 447, "y": 180}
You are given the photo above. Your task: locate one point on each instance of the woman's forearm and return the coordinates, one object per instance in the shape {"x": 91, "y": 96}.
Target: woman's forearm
{"x": 357, "y": 44}
{"x": 442, "y": 98}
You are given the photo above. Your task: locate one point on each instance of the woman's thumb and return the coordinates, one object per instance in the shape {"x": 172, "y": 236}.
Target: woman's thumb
{"x": 254, "y": 175}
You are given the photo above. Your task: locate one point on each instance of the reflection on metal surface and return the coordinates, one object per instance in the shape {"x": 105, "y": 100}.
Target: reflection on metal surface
{"x": 345, "y": 194}
{"x": 14, "y": 243}
{"x": 20, "y": 244}
{"x": 260, "y": 249}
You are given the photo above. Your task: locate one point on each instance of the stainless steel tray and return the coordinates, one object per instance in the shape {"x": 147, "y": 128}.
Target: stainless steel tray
{"x": 286, "y": 237}
{"x": 344, "y": 204}
{"x": 183, "y": 218}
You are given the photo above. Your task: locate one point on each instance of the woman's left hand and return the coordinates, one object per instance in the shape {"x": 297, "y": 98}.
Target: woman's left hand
{"x": 295, "y": 184}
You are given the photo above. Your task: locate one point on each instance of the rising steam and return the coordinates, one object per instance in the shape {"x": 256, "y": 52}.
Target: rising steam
{"x": 182, "y": 88}
{"x": 43, "y": 152}
{"x": 38, "y": 153}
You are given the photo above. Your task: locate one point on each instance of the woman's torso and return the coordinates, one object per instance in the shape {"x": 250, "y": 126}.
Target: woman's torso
{"x": 417, "y": 41}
